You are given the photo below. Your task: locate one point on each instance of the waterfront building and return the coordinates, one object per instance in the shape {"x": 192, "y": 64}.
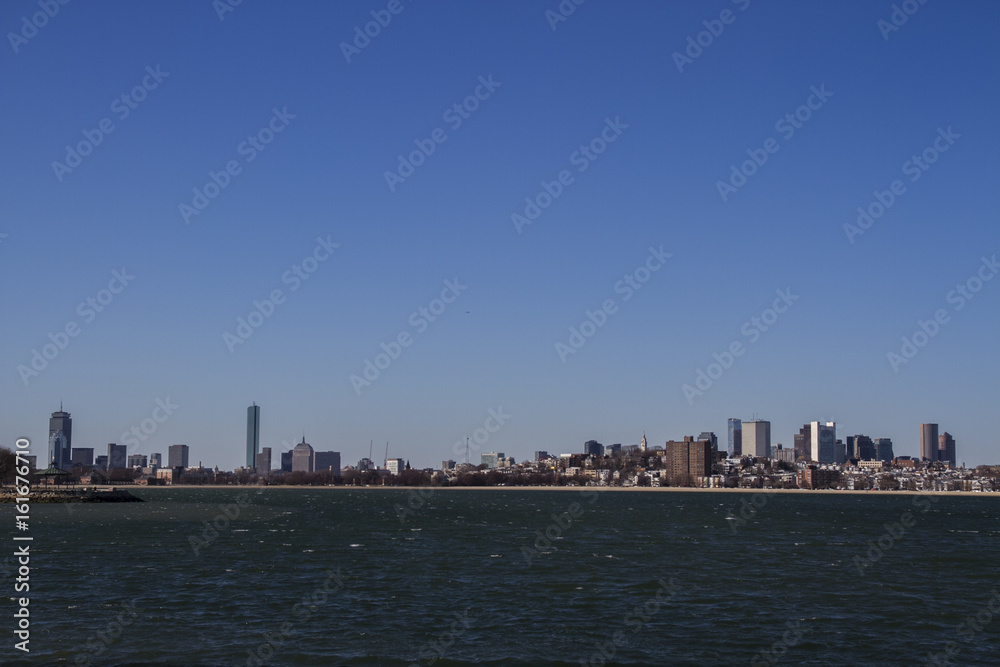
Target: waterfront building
{"x": 687, "y": 459}
{"x": 395, "y": 466}
{"x": 253, "y": 434}
{"x": 82, "y": 456}
{"x": 156, "y": 460}
{"x": 177, "y": 456}
{"x": 840, "y": 453}
{"x": 929, "y": 442}
{"x": 757, "y": 438}
{"x": 302, "y": 457}
{"x": 137, "y": 461}
{"x": 101, "y": 462}
{"x": 735, "y": 445}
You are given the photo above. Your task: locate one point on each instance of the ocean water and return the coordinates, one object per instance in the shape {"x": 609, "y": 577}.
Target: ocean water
{"x": 511, "y": 577}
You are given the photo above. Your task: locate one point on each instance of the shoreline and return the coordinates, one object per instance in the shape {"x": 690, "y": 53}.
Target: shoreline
{"x": 600, "y": 489}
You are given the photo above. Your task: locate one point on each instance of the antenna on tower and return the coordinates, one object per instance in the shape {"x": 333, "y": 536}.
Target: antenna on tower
{"x": 466, "y": 449}
{"x": 371, "y": 443}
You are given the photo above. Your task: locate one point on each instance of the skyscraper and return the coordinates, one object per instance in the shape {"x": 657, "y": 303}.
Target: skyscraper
{"x": 156, "y": 459}
{"x": 177, "y": 456}
{"x": 929, "y": 442}
{"x": 593, "y": 448}
{"x": 116, "y": 456}
{"x": 61, "y": 447}
{"x": 757, "y": 438}
{"x": 803, "y": 443}
{"x": 711, "y": 437}
{"x": 253, "y": 434}
{"x": 946, "y": 449}
{"x": 264, "y": 461}
{"x": 302, "y": 457}
{"x": 735, "y": 447}
{"x": 883, "y": 449}
{"x": 823, "y": 444}
{"x": 329, "y": 461}
{"x": 83, "y": 456}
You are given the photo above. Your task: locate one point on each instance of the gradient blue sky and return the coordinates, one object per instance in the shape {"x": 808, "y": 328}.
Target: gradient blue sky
{"x": 495, "y": 346}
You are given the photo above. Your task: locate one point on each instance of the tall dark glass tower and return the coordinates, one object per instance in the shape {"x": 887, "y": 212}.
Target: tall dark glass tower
{"x": 253, "y": 435}
{"x": 735, "y": 444}
{"x": 61, "y": 439}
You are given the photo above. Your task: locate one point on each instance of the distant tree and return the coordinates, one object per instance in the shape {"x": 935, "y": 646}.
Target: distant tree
{"x": 8, "y": 465}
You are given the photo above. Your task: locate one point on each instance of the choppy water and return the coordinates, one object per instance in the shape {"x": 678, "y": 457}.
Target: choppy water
{"x": 664, "y": 574}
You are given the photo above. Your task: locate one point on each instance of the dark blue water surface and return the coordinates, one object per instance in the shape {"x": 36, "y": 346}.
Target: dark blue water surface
{"x": 350, "y": 577}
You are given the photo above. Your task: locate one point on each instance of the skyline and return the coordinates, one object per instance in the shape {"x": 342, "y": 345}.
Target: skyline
{"x": 475, "y": 451}
{"x": 238, "y": 191}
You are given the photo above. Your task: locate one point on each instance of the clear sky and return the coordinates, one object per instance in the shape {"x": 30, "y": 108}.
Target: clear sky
{"x": 659, "y": 131}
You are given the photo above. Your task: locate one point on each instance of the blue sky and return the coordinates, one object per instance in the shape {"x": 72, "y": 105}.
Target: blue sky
{"x": 344, "y": 124}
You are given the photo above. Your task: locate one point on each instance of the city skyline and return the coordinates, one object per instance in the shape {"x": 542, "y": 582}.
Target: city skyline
{"x": 821, "y": 438}
{"x": 592, "y": 240}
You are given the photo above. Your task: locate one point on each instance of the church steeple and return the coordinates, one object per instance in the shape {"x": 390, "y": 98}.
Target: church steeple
{"x": 642, "y": 446}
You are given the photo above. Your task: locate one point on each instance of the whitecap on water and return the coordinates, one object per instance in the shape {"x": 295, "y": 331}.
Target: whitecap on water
{"x": 355, "y": 545}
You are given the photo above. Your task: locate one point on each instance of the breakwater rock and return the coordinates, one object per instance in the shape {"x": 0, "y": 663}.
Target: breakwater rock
{"x": 72, "y": 496}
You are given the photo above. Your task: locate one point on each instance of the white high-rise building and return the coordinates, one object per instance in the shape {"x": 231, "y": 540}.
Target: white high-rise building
{"x": 757, "y": 438}
{"x": 823, "y": 445}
